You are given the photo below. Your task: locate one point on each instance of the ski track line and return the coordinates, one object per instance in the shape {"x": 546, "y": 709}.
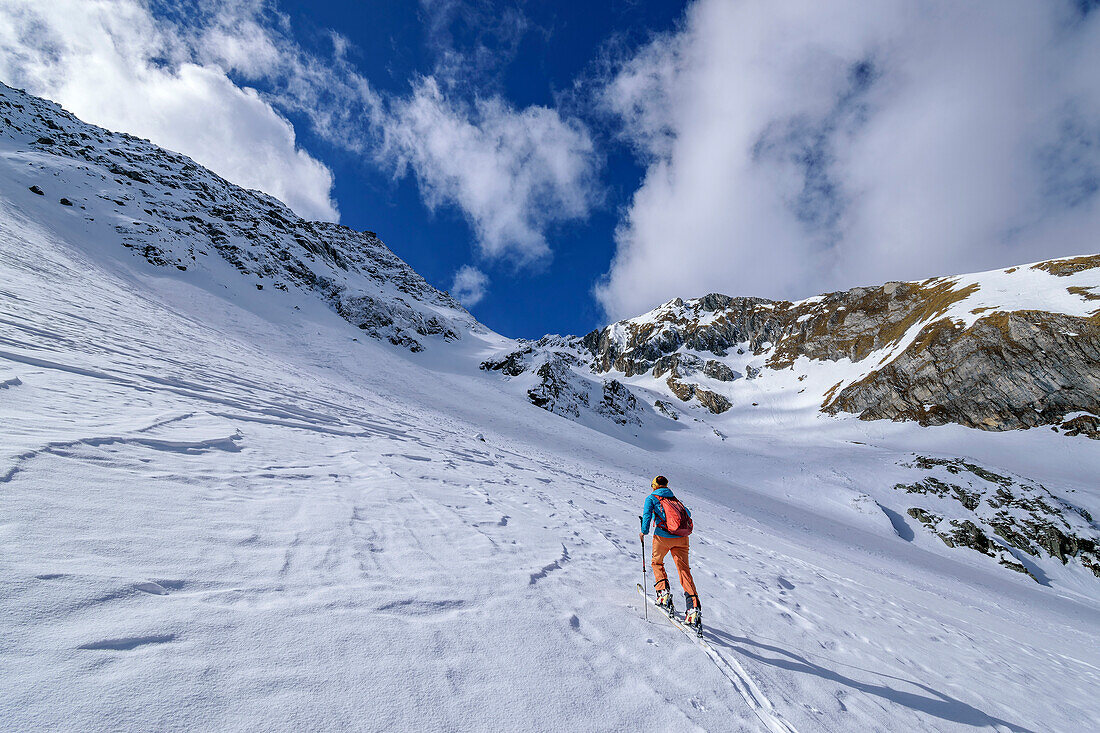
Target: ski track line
{"x": 757, "y": 701}
{"x": 748, "y": 690}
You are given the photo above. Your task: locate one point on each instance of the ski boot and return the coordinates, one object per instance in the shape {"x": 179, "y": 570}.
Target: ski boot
{"x": 693, "y": 617}
{"x": 664, "y": 599}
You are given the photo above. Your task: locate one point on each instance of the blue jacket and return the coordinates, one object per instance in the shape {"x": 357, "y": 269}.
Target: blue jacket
{"x": 655, "y": 514}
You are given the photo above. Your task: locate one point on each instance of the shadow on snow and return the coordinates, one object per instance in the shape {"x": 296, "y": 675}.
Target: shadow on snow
{"x": 935, "y": 703}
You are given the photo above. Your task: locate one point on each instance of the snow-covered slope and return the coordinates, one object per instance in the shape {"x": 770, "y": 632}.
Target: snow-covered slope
{"x": 168, "y": 210}
{"x": 221, "y": 508}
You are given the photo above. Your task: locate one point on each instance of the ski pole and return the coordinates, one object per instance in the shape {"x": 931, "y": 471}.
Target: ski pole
{"x": 644, "y": 587}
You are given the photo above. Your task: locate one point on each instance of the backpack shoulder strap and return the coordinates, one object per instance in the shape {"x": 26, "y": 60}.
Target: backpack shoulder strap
{"x": 662, "y": 521}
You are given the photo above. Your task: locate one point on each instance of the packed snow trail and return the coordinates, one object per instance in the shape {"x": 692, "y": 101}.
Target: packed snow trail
{"x": 221, "y": 511}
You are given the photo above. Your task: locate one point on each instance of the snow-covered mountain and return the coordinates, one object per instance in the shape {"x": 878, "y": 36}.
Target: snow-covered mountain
{"x": 255, "y": 473}
{"x": 997, "y": 350}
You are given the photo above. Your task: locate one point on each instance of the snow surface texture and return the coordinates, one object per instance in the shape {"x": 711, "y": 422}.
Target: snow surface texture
{"x": 222, "y": 509}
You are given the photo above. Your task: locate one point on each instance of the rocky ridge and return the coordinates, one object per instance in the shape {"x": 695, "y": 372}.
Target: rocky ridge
{"x": 173, "y": 213}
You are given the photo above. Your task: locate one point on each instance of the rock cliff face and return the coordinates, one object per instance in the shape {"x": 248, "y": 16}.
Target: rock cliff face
{"x": 173, "y": 213}
{"x": 1009, "y": 370}
{"x": 1002, "y": 350}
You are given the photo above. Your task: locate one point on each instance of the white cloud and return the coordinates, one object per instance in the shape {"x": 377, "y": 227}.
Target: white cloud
{"x": 470, "y": 285}
{"x": 513, "y": 173}
{"x": 491, "y": 32}
{"x": 803, "y": 146}
{"x": 112, "y": 63}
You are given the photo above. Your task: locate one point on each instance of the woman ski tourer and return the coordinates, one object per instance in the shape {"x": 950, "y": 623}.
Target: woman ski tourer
{"x": 672, "y": 522}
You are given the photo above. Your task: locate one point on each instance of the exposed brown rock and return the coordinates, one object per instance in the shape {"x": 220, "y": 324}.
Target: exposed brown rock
{"x": 714, "y": 402}
{"x": 1068, "y": 266}
{"x": 684, "y": 391}
{"x": 1087, "y": 425}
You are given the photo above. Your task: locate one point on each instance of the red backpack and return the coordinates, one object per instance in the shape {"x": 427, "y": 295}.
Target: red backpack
{"x": 677, "y": 522}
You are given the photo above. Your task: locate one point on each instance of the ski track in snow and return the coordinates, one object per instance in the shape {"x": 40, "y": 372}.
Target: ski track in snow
{"x": 224, "y": 514}
{"x": 739, "y": 678}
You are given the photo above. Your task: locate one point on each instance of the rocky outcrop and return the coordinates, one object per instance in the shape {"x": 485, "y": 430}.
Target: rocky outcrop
{"x": 717, "y": 370}
{"x": 1087, "y": 425}
{"x": 559, "y": 390}
{"x": 1010, "y": 519}
{"x": 713, "y": 401}
{"x": 712, "y": 324}
{"x": 512, "y": 364}
{"x": 562, "y": 391}
{"x": 394, "y": 321}
{"x": 666, "y": 408}
{"x": 618, "y": 404}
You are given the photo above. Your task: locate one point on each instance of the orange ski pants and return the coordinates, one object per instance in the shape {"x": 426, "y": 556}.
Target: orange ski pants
{"x": 678, "y": 546}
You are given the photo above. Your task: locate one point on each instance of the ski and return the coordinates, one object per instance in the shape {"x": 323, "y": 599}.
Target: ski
{"x": 692, "y": 633}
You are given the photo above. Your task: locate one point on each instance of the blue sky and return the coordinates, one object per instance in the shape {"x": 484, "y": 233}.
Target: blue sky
{"x": 558, "y": 44}
{"x": 559, "y": 165}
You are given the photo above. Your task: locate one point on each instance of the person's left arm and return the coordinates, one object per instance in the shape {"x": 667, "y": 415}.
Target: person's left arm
{"x": 647, "y": 516}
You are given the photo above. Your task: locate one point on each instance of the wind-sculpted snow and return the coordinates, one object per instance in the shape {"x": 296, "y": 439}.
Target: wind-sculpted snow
{"x": 173, "y": 213}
